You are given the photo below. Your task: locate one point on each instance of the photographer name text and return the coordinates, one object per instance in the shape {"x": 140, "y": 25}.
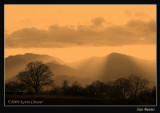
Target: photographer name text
{"x": 25, "y": 102}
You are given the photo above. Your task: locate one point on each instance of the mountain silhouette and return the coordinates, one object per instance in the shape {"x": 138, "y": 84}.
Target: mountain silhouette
{"x": 116, "y": 65}
{"x": 120, "y": 65}
{"x": 59, "y": 69}
{"x": 17, "y": 63}
{"x": 107, "y": 68}
{"x": 90, "y": 67}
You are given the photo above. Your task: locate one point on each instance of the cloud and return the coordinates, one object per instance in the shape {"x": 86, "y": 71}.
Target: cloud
{"x": 133, "y": 33}
{"x": 97, "y": 22}
{"x": 136, "y": 14}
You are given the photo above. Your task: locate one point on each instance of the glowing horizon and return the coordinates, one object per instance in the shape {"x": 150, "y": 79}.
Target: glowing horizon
{"x": 73, "y": 54}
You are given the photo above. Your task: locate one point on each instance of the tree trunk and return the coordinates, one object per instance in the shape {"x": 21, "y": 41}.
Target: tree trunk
{"x": 135, "y": 94}
{"x": 36, "y": 91}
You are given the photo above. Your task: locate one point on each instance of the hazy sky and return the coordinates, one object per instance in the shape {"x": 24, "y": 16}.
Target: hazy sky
{"x": 75, "y": 32}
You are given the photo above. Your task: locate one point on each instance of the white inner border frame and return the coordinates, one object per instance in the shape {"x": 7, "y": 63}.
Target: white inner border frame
{"x": 80, "y": 105}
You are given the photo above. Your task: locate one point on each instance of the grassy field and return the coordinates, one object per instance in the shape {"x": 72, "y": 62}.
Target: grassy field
{"x": 63, "y": 100}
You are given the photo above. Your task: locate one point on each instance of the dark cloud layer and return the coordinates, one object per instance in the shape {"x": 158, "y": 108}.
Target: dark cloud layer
{"x": 134, "y": 32}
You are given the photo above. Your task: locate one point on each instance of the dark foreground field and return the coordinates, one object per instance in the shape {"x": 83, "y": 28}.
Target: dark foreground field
{"x": 66, "y": 100}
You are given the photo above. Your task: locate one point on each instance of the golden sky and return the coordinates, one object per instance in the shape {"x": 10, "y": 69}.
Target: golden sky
{"x": 75, "y": 32}
{"x": 42, "y": 16}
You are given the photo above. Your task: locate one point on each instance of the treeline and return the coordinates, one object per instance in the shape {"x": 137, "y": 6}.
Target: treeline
{"x": 132, "y": 87}
{"x": 37, "y": 79}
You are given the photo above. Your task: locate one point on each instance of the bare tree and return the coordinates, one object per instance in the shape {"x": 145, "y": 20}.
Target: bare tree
{"x": 36, "y": 75}
{"x": 137, "y": 84}
{"x": 65, "y": 84}
{"x": 123, "y": 85}
{"x": 76, "y": 89}
{"x": 65, "y": 87}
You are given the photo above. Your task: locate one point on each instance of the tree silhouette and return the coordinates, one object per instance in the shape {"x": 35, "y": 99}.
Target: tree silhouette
{"x": 11, "y": 86}
{"x": 90, "y": 90}
{"x": 14, "y": 87}
{"x": 65, "y": 87}
{"x": 76, "y": 89}
{"x": 36, "y": 75}
{"x": 137, "y": 84}
{"x": 100, "y": 88}
{"x": 123, "y": 85}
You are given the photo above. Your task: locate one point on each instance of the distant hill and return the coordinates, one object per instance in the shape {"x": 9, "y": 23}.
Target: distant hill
{"x": 90, "y": 67}
{"x": 17, "y": 63}
{"x": 116, "y": 65}
{"x": 120, "y": 65}
{"x": 61, "y": 69}
{"x": 107, "y": 68}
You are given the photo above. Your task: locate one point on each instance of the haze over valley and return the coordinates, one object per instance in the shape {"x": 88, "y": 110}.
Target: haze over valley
{"x": 107, "y": 68}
